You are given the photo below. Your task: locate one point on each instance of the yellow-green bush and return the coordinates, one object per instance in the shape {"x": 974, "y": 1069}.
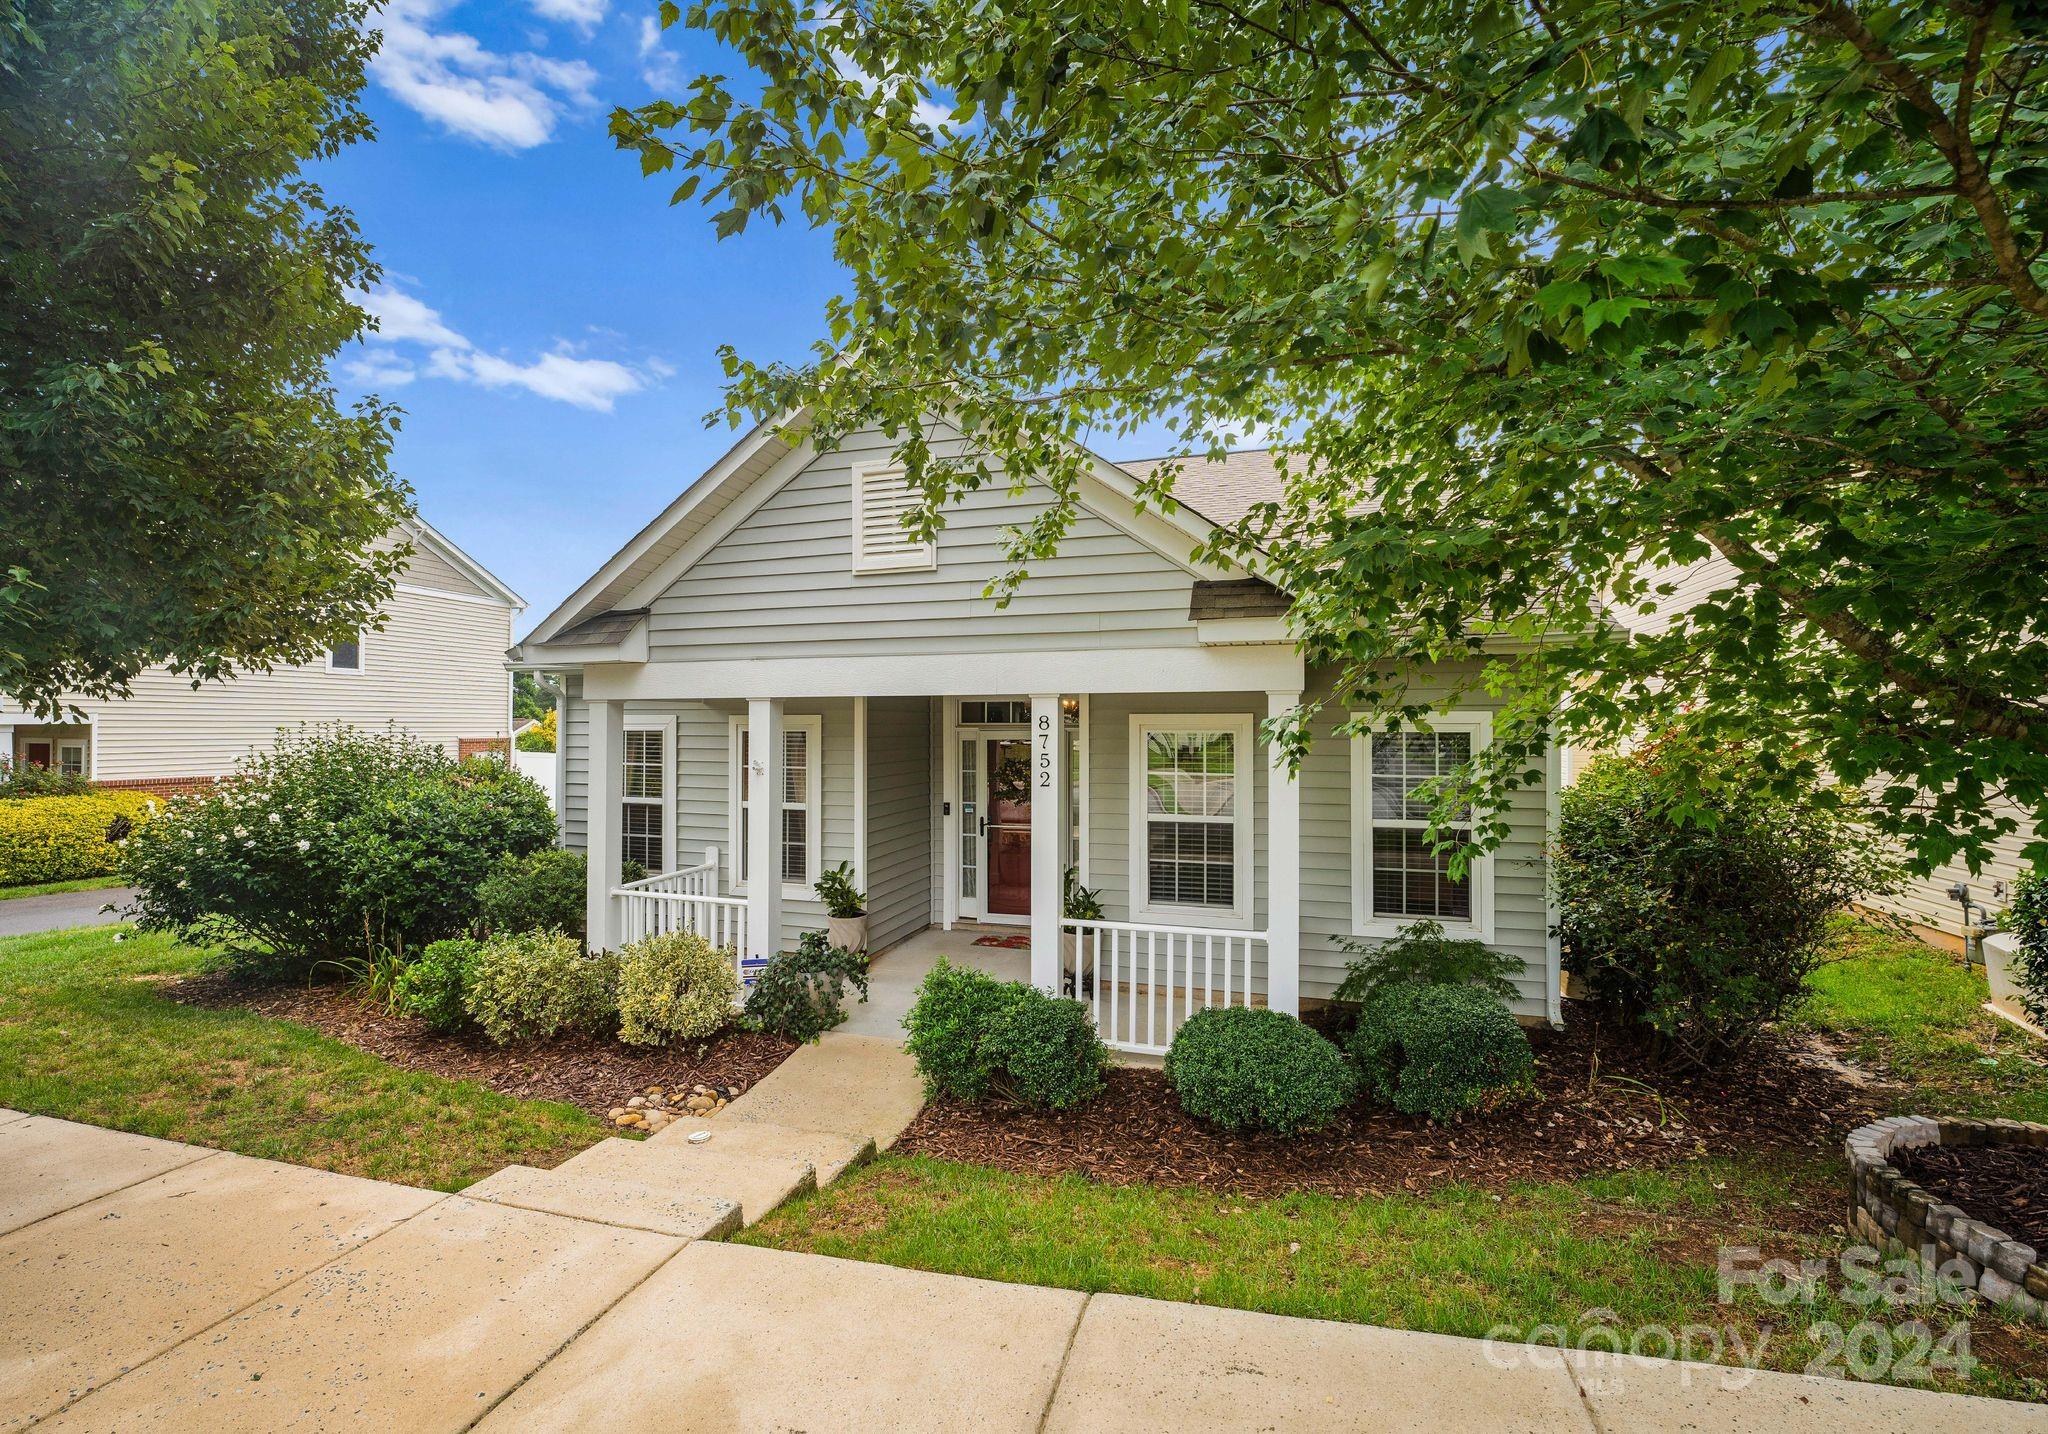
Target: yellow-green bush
{"x": 66, "y": 838}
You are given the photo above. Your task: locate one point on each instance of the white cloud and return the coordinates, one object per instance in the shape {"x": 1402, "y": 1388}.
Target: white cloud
{"x": 562, "y": 375}
{"x": 583, "y": 14}
{"x": 508, "y": 101}
{"x": 658, "y": 68}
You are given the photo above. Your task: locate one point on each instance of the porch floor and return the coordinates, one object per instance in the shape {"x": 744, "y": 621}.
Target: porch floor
{"x": 894, "y": 977}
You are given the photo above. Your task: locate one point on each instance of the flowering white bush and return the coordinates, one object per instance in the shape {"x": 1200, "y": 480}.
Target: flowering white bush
{"x": 336, "y": 843}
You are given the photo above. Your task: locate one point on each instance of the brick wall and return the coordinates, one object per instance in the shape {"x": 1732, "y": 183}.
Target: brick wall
{"x": 159, "y": 786}
{"x": 468, "y": 747}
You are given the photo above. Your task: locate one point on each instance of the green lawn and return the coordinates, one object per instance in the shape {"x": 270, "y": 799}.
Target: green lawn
{"x": 55, "y": 888}
{"x": 86, "y": 1034}
{"x": 1460, "y": 1261}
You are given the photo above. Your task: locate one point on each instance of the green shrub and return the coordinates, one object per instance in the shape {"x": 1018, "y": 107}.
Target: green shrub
{"x": 530, "y": 985}
{"x": 974, "y": 1036}
{"x": 799, "y": 994}
{"x": 26, "y": 779}
{"x": 432, "y": 986}
{"x": 2027, "y": 920}
{"x": 677, "y": 987}
{"x": 540, "y": 891}
{"x": 1439, "y": 1051}
{"x": 1696, "y": 905}
{"x": 1043, "y": 1052}
{"x": 69, "y": 838}
{"x": 841, "y": 897}
{"x": 335, "y": 843}
{"x": 1422, "y": 955}
{"x": 1248, "y": 1068}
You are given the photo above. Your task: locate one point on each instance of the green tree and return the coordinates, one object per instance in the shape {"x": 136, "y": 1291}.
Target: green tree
{"x": 1549, "y": 298}
{"x": 530, "y": 698}
{"x": 177, "y": 483}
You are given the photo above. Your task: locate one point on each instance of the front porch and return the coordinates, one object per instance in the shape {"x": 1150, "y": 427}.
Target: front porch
{"x": 965, "y": 818}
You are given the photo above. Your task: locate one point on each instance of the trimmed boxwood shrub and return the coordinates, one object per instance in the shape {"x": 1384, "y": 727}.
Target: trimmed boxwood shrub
{"x": 2027, "y": 919}
{"x": 530, "y": 985}
{"x": 974, "y": 1036}
{"x": 1248, "y": 1068}
{"x": 68, "y": 838}
{"x": 431, "y": 987}
{"x": 677, "y": 987}
{"x": 1440, "y": 1051}
{"x": 540, "y": 891}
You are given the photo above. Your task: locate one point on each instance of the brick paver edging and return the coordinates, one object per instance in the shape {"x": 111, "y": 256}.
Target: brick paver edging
{"x": 1889, "y": 1210}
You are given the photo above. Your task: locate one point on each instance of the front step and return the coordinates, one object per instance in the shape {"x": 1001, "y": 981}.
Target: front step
{"x": 830, "y": 1154}
{"x": 755, "y": 1183}
{"x": 610, "y": 1201}
{"x": 838, "y": 1083}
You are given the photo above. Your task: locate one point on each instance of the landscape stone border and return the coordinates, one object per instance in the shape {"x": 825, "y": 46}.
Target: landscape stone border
{"x": 1889, "y": 1210}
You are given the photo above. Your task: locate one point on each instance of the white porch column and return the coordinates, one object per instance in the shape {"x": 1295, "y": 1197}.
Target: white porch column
{"x": 764, "y": 826}
{"x": 1048, "y": 838}
{"x": 601, "y": 842}
{"x": 1283, "y": 871}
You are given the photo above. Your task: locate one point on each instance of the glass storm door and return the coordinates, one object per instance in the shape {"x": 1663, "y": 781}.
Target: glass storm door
{"x": 1008, "y": 819}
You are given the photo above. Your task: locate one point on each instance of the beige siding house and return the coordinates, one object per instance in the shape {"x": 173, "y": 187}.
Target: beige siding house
{"x": 772, "y": 677}
{"x": 1925, "y": 902}
{"x": 435, "y": 669}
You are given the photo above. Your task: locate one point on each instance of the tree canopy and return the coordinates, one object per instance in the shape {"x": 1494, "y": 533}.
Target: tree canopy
{"x": 1549, "y": 299}
{"x": 177, "y": 482}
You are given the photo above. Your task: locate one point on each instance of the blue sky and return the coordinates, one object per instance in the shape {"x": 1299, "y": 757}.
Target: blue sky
{"x": 550, "y": 324}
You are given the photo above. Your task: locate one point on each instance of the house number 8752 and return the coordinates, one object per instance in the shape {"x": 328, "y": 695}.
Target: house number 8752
{"x": 1044, "y": 750}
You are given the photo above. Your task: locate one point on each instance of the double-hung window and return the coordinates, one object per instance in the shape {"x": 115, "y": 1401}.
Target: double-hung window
{"x": 1401, "y": 869}
{"x": 1191, "y": 812}
{"x": 798, "y": 812}
{"x": 645, "y": 796}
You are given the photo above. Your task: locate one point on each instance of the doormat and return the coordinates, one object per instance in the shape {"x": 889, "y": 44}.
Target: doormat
{"x": 1008, "y": 943}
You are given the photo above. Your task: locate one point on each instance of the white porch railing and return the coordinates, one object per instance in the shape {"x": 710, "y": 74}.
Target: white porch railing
{"x": 1142, "y": 981}
{"x": 686, "y": 900}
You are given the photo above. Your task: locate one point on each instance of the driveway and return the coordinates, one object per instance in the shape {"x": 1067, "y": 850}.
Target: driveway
{"x": 24, "y": 914}
{"x": 162, "y": 1286}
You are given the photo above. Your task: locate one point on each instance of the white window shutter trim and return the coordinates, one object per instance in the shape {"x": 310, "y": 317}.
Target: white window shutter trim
{"x": 881, "y": 496}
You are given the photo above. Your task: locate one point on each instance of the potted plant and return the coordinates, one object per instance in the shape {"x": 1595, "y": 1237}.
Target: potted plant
{"x": 846, "y": 909}
{"x": 1080, "y": 903}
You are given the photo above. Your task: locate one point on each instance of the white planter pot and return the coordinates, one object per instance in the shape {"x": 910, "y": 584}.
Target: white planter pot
{"x": 2000, "y": 949}
{"x": 847, "y": 933}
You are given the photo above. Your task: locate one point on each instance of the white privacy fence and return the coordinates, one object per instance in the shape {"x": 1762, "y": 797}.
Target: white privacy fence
{"x": 1140, "y": 981}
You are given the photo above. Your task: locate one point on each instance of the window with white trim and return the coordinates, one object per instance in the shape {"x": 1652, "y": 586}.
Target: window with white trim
{"x": 1401, "y": 870}
{"x": 797, "y": 842}
{"x": 644, "y": 798}
{"x": 71, "y": 758}
{"x": 346, "y": 656}
{"x": 881, "y": 544}
{"x": 1191, "y": 807}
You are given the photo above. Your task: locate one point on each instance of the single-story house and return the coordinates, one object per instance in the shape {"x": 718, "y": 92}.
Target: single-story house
{"x": 774, "y": 677}
{"x": 434, "y": 669}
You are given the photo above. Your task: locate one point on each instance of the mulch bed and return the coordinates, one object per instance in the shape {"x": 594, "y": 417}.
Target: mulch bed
{"x": 596, "y": 1075}
{"x": 1597, "y": 1108}
{"x": 2005, "y": 1187}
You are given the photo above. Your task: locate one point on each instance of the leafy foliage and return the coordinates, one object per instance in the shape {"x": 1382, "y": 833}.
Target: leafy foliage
{"x": 799, "y": 995}
{"x": 841, "y": 897}
{"x": 541, "y": 736}
{"x": 182, "y": 486}
{"x": 26, "y": 779}
{"x": 433, "y": 986}
{"x": 676, "y": 987}
{"x": 530, "y": 698}
{"x": 1439, "y": 1050}
{"x": 974, "y": 1037}
{"x": 1420, "y": 954}
{"x": 1249, "y": 1068}
{"x": 530, "y": 985}
{"x": 335, "y": 843}
{"x": 1078, "y": 902}
{"x": 65, "y": 838}
{"x": 2027, "y": 919}
{"x": 543, "y": 890}
{"x": 1695, "y": 908}
{"x": 1551, "y": 306}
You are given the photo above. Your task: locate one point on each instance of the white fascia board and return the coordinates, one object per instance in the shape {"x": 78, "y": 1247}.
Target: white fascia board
{"x": 1239, "y": 631}
{"x": 538, "y": 655}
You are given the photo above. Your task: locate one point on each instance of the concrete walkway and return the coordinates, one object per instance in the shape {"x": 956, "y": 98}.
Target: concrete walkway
{"x": 24, "y": 915}
{"x": 162, "y": 1286}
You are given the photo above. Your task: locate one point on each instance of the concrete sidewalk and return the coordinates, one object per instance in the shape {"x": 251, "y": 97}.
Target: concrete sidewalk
{"x": 161, "y": 1286}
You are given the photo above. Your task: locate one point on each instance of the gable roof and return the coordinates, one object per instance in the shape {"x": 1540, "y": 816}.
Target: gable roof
{"x": 425, "y": 535}
{"x": 1222, "y": 489}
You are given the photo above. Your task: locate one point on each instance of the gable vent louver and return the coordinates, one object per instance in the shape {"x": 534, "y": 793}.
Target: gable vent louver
{"x": 881, "y": 496}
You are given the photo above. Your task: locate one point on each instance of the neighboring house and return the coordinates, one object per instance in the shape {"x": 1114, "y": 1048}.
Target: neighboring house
{"x": 773, "y": 674}
{"x": 1924, "y": 902}
{"x": 435, "y": 669}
